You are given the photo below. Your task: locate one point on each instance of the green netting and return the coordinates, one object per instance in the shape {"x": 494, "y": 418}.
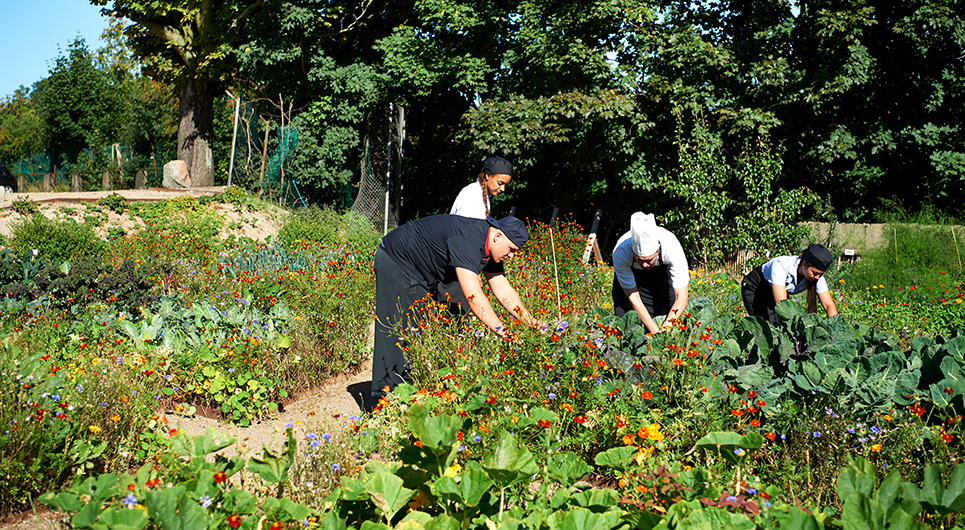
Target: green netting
{"x": 124, "y": 161}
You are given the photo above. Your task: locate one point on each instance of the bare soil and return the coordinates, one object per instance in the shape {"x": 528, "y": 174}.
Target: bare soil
{"x": 330, "y": 404}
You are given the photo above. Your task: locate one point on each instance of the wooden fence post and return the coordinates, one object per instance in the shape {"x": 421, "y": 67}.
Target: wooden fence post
{"x": 106, "y": 181}
{"x": 49, "y": 181}
{"x": 75, "y": 183}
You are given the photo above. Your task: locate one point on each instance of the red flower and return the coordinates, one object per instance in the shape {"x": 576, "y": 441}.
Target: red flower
{"x": 737, "y": 412}
{"x": 770, "y": 436}
{"x": 491, "y": 400}
{"x": 917, "y": 409}
{"x": 220, "y": 477}
{"x": 947, "y": 438}
{"x": 153, "y": 482}
{"x": 581, "y": 419}
{"x": 417, "y": 443}
{"x": 234, "y": 521}
{"x": 755, "y": 423}
{"x": 276, "y": 526}
{"x": 544, "y": 424}
{"x": 646, "y": 395}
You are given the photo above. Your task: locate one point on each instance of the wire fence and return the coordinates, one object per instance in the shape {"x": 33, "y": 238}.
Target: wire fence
{"x": 379, "y": 199}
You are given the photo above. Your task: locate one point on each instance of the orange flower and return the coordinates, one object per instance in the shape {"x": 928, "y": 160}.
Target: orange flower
{"x": 646, "y": 395}
{"x": 153, "y": 482}
{"x": 567, "y": 407}
{"x": 770, "y": 436}
{"x": 621, "y": 421}
{"x": 628, "y": 439}
{"x": 581, "y": 419}
{"x": 677, "y": 362}
{"x": 737, "y": 412}
{"x": 544, "y": 424}
{"x": 755, "y": 423}
{"x": 917, "y": 409}
{"x": 651, "y": 432}
{"x": 234, "y": 521}
{"x": 276, "y": 526}
{"x": 876, "y": 448}
{"x": 946, "y": 437}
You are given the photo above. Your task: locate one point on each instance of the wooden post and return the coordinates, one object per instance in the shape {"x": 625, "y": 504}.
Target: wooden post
{"x": 140, "y": 179}
{"x": 75, "y": 183}
{"x": 264, "y": 156}
{"x": 106, "y": 181}
{"x": 49, "y": 181}
{"x": 959, "y": 254}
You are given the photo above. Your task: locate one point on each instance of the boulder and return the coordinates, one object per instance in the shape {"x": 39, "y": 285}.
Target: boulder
{"x": 176, "y": 175}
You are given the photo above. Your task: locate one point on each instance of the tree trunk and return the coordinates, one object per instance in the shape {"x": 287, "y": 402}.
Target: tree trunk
{"x": 196, "y": 130}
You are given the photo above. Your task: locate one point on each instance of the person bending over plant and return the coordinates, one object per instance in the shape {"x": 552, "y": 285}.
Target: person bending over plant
{"x": 787, "y": 275}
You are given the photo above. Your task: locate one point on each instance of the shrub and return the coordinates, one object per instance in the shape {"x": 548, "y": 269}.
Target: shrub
{"x": 330, "y": 228}
{"x": 56, "y": 240}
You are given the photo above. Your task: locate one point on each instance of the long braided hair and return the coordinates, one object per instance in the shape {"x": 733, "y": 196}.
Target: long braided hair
{"x": 812, "y": 297}
{"x": 482, "y": 184}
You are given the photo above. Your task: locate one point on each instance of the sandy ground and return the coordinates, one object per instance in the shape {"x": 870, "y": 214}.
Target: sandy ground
{"x": 329, "y": 405}
{"x": 257, "y": 225}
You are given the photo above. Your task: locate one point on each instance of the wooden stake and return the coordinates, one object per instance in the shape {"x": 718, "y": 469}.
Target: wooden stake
{"x": 959, "y": 254}
{"x": 556, "y": 276}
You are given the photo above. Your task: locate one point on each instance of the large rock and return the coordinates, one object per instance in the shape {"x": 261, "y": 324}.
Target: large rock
{"x": 176, "y": 175}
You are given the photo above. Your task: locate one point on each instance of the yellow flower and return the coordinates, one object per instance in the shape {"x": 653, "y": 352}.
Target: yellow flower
{"x": 651, "y": 432}
{"x": 840, "y": 281}
{"x": 94, "y": 429}
{"x": 453, "y": 470}
{"x": 876, "y": 448}
{"x": 515, "y": 419}
{"x": 116, "y": 417}
{"x": 874, "y": 286}
{"x": 627, "y": 439}
{"x": 881, "y": 286}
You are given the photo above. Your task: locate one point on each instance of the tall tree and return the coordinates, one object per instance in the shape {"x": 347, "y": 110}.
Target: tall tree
{"x": 20, "y": 128}
{"x": 187, "y": 43}
{"x": 76, "y": 102}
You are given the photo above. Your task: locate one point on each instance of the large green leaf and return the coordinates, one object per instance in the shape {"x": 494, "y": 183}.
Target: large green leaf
{"x": 566, "y": 468}
{"x": 274, "y": 468}
{"x": 437, "y": 433}
{"x": 584, "y": 519}
{"x": 199, "y": 446}
{"x": 473, "y": 484}
{"x": 731, "y": 446}
{"x": 617, "y": 457}
{"x": 509, "y": 462}
{"x": 388, "y": 494}
{"x": 125, "y": 519}
{"x": 934, "y": 496}
{"x": 174, "y": 510}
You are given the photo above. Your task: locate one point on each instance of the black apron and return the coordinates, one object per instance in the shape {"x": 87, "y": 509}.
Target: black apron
{"x": 758, "y": 296}
{"x": 656, "y": 291}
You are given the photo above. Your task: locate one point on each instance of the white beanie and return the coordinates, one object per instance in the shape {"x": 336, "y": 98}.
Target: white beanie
{"x": 643, "y": 231}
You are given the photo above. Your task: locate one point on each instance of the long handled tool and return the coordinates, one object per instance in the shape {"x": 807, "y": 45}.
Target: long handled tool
{"x": 556, "y": 276}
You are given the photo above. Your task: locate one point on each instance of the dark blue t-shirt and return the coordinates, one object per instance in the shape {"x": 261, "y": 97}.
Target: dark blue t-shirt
{"x": 429, "y": 247}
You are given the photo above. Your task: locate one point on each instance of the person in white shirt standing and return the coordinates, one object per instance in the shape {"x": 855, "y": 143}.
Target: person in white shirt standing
{"x": 650, "y": 274}
{"x": 473, "y": 200}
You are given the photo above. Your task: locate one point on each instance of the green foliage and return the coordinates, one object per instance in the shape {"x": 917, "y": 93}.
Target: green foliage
{"x": 24, "y": 206}
{"x": 713, "y": 192}
{"x": 330, "y": 228}
{"x": 20, "y": 127}
{"x": 113, "y": 202}
{"x": 55, "y": 240}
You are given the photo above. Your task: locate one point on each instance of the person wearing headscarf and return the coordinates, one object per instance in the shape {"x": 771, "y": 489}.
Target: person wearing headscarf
{"x": 473, "y": 200}
{"x": 768, "y": 284}
{"x": 650, "y": 274}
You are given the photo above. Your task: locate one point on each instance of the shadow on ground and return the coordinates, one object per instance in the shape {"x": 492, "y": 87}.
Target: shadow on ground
{"x": 362, "y": 394}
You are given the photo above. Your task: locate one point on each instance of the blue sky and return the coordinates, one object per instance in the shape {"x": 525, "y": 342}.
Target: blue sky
{"x": 31, "y": 32}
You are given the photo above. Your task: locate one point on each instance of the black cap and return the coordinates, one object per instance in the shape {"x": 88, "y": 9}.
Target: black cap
{"x": 818, "y": 257}
{"x": 514, "y": 229}
{"x": 495, "y": 165}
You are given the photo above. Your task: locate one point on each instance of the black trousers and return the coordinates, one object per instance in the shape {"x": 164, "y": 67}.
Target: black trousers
{"x": 758, "y": 296}
{"x": 395, "y": 291}
{"x": 655, "y": 290}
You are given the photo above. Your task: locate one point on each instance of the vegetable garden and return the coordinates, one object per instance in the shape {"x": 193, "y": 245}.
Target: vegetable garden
{"x": 725, "y": 421}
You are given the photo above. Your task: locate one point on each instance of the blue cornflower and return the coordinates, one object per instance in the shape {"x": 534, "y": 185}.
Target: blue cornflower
{"x": 751, "y": 491}
{"x": 476, "y": 438}
{"x": 336, "y": 467}
{"x": 552, "y": 396}
{"x": 311, "y": 436}
{"x": 326, "y": 436}
{"x": 205, "y": 502}
{"x": 130, "y": 501}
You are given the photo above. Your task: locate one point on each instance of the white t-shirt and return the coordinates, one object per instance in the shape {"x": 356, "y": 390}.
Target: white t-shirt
{"x": 782, "y": 270}
{"x": 670, "y": 254}
{"x": 469, "y": 202}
